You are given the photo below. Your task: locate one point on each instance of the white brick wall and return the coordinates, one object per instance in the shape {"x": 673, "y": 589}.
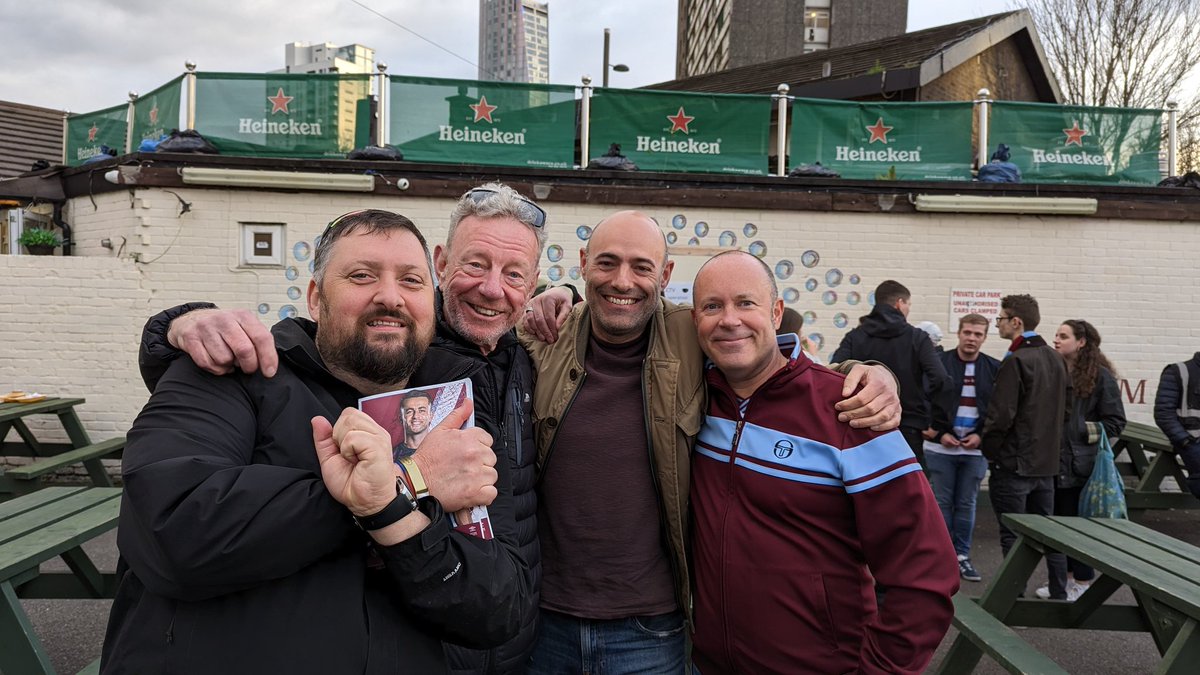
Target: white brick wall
{"x": 70, "y": 325}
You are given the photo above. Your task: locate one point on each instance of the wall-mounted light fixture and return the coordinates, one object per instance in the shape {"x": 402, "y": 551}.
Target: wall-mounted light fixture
{"x": 294, "y": 180}
{"x": 1065, "y": 206}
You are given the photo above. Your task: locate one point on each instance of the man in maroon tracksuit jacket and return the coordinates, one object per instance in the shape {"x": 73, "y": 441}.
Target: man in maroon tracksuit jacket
{"x": 796, "y": 517}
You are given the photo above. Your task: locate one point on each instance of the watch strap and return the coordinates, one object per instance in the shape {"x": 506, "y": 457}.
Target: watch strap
{"x": 398, "y": 508}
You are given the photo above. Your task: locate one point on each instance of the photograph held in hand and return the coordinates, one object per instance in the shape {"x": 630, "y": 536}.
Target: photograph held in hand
{"x": 409, "y": 415}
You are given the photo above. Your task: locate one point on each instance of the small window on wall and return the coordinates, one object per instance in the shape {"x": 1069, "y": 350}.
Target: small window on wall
{"x": 262, "y": 244}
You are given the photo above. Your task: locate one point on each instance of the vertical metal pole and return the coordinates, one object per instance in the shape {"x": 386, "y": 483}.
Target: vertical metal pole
{"x": 190, "y": 78}
{"x": 381, "y": 122}
{"x": 607, "y": 34}
{"x": 64, "y": 137}
{"x": 781, "y": 130}
{"x": 1172, "y": 138}
{"x": 585, "y": 121}
{"x": 982, "y": 101}
{"x": 133, "y": 97}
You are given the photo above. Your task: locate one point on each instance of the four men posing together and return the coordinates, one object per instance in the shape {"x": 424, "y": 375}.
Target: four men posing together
{"x": 636, "y": 495}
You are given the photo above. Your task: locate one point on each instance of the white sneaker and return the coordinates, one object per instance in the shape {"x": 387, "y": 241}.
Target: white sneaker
{"x": 1074, "y": 590}
{"x": 1043, "y": 591}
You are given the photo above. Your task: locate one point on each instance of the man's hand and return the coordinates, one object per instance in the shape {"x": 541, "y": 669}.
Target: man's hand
{"x": 972, "y": 441}
{"x": 949, "y": 441}
{"x": 929, "y": 434}
{"x": 220, "y": 339}
{"x": 458, "y": 465}
{"x": 547, "y": 312}
{"x": 356, "y": 461}
{"x": 877, "y": 406}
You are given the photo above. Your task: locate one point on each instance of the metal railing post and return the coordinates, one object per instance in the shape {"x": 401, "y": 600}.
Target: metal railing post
{"x": 382, "y": 114}
{"x": 1172, "y": 138}
{"x": 981, "y": 101}
{"x": 133, "y": 97}
{"x": 585, "y": 121}
{"x": 190, "y": 79}
{"x": 781, "y": 130}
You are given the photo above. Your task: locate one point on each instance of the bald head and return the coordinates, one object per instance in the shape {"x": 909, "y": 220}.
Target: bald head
{"x": 635, "y": 224}
{"x": 625, "y": 268}
{"x": 723, "y": 266}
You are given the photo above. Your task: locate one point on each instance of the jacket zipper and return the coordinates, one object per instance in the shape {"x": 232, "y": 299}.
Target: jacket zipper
{"x": 728, "y": 500}
{"x": 541, "y": 471}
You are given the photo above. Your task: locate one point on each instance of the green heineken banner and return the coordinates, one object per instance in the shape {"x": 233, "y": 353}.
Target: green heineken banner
{"x": 87, "y": 132}
{"x": 157, "y": 113}
{"x": 672, "y": 131}
{"x": 1074, "y": 144}
{"x": 883, "y": 141}
{"x": 280, "y": 115}
{"x": 500, "y": 123}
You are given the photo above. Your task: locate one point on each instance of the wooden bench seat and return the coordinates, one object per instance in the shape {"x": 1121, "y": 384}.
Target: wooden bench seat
{"x": 25, "y": 479}
{"x": 998, "y": 640}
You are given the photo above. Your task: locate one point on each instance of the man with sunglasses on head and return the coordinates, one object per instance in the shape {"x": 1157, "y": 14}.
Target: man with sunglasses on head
{"x": 487, "y": 270}
{"x": 264, "y": 524}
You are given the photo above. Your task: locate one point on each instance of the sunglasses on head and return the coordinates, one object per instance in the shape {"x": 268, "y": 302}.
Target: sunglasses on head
{"x": 530, "y": 213}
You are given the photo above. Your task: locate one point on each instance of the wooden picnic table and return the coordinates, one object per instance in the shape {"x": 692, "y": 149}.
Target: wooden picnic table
{"x": 51, "y": 456}
{"x": 1162, "y": 572}
{"x": 52, "y": 522}
{"x": 1144, "y": 453}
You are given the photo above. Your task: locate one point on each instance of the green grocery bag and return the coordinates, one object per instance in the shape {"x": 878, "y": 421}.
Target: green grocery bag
{"x": 1104, "y": 494}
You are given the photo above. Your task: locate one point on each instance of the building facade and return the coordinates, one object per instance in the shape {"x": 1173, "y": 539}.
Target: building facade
{"x": 715, "y": 35}
{"x": 514, "y": 41}
{"x": 302, "y": 57}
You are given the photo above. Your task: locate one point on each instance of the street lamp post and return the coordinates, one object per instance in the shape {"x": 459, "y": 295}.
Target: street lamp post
{"x": 618, "y": 67}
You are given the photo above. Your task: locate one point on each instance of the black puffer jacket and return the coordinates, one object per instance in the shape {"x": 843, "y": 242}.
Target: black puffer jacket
{"x": 886, "y": 336}
{"x": 1104, "y": 407}
{"x": 503, "y": 385}
{"x": 235, "y": 559}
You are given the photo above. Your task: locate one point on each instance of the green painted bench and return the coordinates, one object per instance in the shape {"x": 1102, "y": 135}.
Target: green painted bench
{"x": 1163, "y": 573}
{"x": 50, "y": 457}
{"x": 998, "y": 640}
{"x": 37, "y": 527}
{"x": 1143, "y": 452}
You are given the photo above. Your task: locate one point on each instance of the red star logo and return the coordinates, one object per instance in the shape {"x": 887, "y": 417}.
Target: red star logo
{"x": 680, "y": 121}
{"x": 879, "y": 132}
{"x": 154, "y": 114}
{"x": 92, "y": 132}
{"x": 279, "y": 102}
{"x": 483, "y": 111}
{"x": 1075, "y": 134}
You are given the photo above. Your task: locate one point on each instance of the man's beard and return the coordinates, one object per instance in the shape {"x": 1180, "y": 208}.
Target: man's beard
{"x": 352, "y": 353}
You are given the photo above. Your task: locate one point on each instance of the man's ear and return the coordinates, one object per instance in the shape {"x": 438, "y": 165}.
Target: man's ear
{"x": 666, "y": 275}
{"x": 777, "y": 313}
{"x": 439, "y": 261}
{"x": 314, "y": 300}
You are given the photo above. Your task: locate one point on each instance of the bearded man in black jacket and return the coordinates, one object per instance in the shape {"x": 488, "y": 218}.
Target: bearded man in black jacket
{"x": 243, "y": 549}
{"x": 487, "y": 270}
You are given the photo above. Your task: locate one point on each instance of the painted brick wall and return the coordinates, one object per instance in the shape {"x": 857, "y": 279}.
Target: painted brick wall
{"x": 70, "y": 325}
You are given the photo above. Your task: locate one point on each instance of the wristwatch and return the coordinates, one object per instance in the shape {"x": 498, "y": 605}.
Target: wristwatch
{"x": 398, "y": 508}
{"x": 419, "y": 488}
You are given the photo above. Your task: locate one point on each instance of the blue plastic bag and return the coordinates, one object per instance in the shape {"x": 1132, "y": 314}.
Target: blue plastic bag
{"x": 1104, "y": 494}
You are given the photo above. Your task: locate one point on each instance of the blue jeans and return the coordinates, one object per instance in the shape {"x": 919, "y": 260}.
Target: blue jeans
{"x": 640, "y": 644}
{"x": 955, "y": 480}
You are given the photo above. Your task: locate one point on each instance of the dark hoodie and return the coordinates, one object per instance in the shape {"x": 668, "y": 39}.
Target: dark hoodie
{"x": 884, "y": 335}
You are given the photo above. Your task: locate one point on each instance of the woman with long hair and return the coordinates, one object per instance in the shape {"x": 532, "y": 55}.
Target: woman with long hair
{"x": 1093, "y": 402}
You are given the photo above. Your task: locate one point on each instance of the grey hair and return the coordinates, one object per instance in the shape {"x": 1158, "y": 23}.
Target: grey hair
{"x": 504, "y": 202}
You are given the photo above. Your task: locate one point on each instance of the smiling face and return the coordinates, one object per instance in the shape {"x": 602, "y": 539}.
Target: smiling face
{"x": 487, "y": 274}
{"x": 625, "y": 269}
{"x": 416, "y": 414}
{"x": 374, "y": 307}
{"x": 736, "y": 317}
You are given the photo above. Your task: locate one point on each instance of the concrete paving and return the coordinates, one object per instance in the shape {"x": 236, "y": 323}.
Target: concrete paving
{"x": 73, "y": 630}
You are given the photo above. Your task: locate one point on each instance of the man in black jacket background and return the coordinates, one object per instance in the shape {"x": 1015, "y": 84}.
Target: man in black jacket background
{"x": 885, "y": 335}
{"x": 263, "y": 527}
{"x": 487, "y": 270}
{"x": 1177, "y": 413}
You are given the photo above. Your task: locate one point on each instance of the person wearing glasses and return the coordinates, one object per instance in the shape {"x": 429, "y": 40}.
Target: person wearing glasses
{"x": 1022, "y": 430}
{"x": 487, "y": 270}
{"x": 263, "y": 525}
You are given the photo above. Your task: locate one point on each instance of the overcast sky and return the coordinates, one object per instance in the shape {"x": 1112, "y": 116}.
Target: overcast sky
{"x": 82, "y": 55}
